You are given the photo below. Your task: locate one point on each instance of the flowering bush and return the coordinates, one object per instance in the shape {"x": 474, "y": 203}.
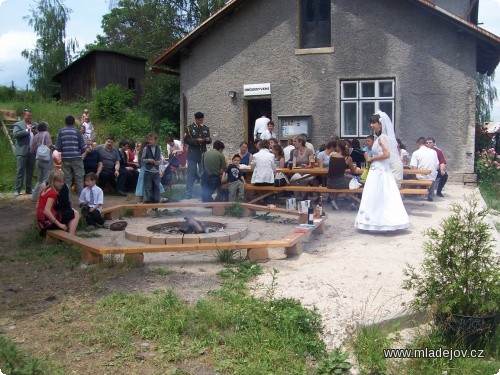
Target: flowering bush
{"x": 488, "y": 165}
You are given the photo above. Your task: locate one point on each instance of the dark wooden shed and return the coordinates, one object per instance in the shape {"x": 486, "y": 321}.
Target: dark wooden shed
{"x": 97, "y": 69}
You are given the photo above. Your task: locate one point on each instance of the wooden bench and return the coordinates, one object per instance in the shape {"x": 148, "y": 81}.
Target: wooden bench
{"x": 425, "y": 183}
{"x": 256, "y": 250}
{"x": 320, "y": 189}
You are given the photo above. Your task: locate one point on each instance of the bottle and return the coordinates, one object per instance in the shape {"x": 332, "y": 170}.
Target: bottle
{"x": 317, "y": 212}
{"x": 320, "y": 206}
{"x": 310, "y": 215}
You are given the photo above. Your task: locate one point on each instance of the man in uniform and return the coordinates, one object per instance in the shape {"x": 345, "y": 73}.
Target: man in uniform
{"x": 197, "y": 137}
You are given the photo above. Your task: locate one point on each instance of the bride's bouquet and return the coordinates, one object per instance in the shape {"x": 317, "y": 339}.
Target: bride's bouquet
{"x": 365, "y": 173}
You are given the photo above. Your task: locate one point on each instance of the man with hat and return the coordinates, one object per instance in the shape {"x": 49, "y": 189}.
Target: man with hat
{"x": 197, "y": 137}
{"x": 24, "y": 132}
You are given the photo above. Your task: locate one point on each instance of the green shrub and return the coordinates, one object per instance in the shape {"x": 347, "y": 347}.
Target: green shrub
{"x": 335, "y": 363}
{"x": 482, "y": 141}
{"x": 488, "y": 165}
{"x": 13, "y": 362}
{"x": 234, "y": 210}
{"x": 7, "y": 93}
{"x": 112, "y": 102}
{"x": 368, "y": 345}
{"x": 133, "y": 125}
{"x": 460, "y": 273}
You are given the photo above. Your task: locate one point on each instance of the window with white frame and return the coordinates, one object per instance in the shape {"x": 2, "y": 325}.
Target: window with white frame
{"x": 359, "y": 99}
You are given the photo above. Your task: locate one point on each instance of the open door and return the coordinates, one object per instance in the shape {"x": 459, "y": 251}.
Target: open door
{"x": 255, "y": 108}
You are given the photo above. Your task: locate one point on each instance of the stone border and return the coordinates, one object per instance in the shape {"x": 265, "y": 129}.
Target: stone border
{"x": 139, "y": 232}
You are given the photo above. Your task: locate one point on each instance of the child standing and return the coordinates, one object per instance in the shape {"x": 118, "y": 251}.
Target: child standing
{"x": 91, "y": 202}
{"x": 235, "y": 180}
{"x": 151, "y": 159}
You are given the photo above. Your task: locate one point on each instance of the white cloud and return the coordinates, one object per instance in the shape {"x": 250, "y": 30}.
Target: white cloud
{"x": 2, "y": 1}
{"x": 13, "y": 42}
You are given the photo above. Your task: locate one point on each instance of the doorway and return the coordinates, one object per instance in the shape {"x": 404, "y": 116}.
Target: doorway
{"x": 254, "y": 109}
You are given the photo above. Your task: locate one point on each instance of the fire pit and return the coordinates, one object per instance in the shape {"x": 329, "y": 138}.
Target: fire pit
{"x": 190, "y": 231}
{"x": 182, "y": 227}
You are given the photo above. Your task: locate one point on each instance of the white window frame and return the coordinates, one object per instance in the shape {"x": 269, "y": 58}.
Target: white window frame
{"x": 358, "y": 99}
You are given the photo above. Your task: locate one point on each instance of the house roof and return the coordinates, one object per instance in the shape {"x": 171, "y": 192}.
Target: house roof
{"x": 58, "y": 76}
{"x": 487, "y": 53}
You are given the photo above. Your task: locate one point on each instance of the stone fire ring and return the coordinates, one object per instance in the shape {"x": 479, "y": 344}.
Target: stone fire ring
{"x": 139, "y": 232}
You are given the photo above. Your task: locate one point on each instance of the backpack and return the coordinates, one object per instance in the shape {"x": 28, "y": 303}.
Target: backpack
{"x": 43, "y": 151}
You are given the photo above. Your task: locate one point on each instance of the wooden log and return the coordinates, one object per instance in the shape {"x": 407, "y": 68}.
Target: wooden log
{"x": 89, "y": 257}
{"x": 258, "y": 254}
{"x": 194, "y": 225}
{"x": 137, "y": 259}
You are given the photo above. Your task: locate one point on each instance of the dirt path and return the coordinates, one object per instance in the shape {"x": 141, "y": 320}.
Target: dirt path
{"x": 348, "y": 275}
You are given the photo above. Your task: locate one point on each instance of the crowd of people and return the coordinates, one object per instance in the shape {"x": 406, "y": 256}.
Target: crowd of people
{"x": 141, "y": 168}
{"x": 383, "y": 159}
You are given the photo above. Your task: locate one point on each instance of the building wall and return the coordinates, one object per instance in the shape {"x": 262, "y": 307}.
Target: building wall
{"x": 78, "y": 80}
{"x": 112, "y": 68}
{"x": 433, "y": 66}
{"x": 458, "y": 7}
{"x": 97, "y": 70}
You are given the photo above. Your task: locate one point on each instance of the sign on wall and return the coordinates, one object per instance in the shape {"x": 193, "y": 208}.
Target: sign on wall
{"x": 255, "y": 89}
{"x": 290, "y": 126}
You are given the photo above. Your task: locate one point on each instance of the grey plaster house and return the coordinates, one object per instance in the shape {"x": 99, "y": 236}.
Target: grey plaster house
{"x": 324, "y": 66}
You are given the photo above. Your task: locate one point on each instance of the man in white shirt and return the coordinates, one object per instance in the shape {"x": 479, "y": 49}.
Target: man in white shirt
{"x": 269, "y": 132}
{"x": 309, "y": 145}
{"x": 288, "y": 150}
{"x": 425, "y": 158}
{"x": 174, "y": 146}
{"x": 260, "y": 127}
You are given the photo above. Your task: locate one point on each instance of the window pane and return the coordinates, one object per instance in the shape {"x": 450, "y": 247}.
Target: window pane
{"x": 386, "y": 107}
{"x": 350, "y": 90}
{"x": 315, "y": 23}
{"x": 385, "y": 89}
{"x": 310, "y": 10}
{"x": 350, "y": 118}
{"x": 367, "y": 110}
{"x": 324, "y": 10}
{"x": 368, "y": 89}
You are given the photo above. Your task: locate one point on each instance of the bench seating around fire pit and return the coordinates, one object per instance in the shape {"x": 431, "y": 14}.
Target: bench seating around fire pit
{"x": 256, "y": 250}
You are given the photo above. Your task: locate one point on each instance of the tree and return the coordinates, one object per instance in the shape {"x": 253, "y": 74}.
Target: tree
{"x": 193, "y": 12}
{"x": 485, "y": 96}
{"x": 140, "y": 27}
{"x": 52, "y": 51}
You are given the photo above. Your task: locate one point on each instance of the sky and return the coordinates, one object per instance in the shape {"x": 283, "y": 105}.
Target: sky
{"x": 85, "y": 24}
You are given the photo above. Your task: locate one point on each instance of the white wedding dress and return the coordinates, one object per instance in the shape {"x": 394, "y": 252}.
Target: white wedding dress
{"x": 381, "y": 207}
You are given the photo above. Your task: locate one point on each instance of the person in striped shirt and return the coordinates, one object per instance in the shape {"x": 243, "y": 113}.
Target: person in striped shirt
{"x": 71, "y": 145}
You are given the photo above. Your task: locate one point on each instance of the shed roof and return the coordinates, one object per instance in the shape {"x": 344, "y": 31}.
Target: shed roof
{"x": 58, "y": 76}
{"x": 487, "y": 53}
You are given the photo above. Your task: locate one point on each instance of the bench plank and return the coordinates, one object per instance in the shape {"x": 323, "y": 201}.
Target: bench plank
{"x": 322, "y": 189}
{"x": 416, "y": 183}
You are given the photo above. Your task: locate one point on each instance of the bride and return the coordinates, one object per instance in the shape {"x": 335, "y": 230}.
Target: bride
{"x": 381, "y": 207}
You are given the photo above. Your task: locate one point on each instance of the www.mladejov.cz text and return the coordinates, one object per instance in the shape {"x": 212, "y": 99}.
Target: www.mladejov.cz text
{"x": 433, "y": 353}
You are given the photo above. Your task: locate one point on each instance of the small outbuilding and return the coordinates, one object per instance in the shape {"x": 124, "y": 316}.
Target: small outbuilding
{"x": 97, "y": 69}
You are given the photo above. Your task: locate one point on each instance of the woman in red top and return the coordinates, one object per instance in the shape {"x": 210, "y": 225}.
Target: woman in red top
{"x": 46, "y": 214}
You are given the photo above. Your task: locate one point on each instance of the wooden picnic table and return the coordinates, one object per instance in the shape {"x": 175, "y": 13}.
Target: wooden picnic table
{"x": 324, "y": 171}
{"x": 412, "y": 187}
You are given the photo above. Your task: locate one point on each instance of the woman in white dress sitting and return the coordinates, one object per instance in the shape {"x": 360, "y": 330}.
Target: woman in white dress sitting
{"x": 381, "y": 207}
